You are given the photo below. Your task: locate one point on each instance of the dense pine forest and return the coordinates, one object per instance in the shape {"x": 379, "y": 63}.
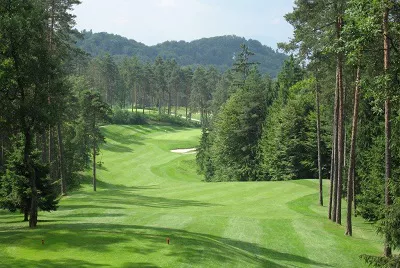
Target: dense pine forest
{"x": 330, "y": 113}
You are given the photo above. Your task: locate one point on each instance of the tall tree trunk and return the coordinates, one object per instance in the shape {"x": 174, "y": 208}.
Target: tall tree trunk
{"x": 143, "y": 99}
{"x": 169, "y": 102}
{"x": 331, "y": 177}
{"x": 26, "y": 214}
{"x": 335, "y": 149}
{"x": 44, "y": 148}
{"x": 61, "y": 158}
{"x": 388, "y": 171}
{"x": 51, "y": 157}
{"x": 350, "y": 181}
{"x": 94, "y": 155}
{"x": 136, "y": 92}
{"x": 132, "y": 98}
{"x": 340, "y": 130}
{"x": 354, "y": 193}
{"x": 159, "y": 105}
{"x": 2, "y": 151}
{"x": 176, "y": 103}
{"x": 32, "y": 176}
{"x": 321, "y": 200}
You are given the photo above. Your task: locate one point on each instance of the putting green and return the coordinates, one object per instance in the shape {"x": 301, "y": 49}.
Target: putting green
{"x": 146, "y": 194}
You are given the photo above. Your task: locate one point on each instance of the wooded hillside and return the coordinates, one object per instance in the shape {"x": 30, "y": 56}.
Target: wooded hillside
{"x": 218, "y": 51}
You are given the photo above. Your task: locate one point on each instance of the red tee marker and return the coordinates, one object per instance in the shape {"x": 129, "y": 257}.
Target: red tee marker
{"x": 168, "y": 240}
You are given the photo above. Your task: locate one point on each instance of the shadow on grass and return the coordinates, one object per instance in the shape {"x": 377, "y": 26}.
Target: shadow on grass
{"x": 139, "y": 265}
{"x": 302, "y": 205}
{"x": 122, "y": 138}
{"x": 13, "y": 262}
{"x": 115, "y": 194}
{"x": 189, "y": 248}
{"x": 116, "y": 148}
{"x": 88, "y": 206}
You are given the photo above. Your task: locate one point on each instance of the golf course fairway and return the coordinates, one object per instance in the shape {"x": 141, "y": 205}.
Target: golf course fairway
{"x": 147, "y": 194}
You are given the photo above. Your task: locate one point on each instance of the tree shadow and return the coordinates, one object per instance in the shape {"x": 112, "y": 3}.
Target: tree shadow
{"x": 87, "y": 179}
{"x": 142, "y": 129}
{"x": 87, "y": 206}
{"x": 116, "y": 148}
{"x": 131, "y": 198}
{"x": 139, "y": 265}
{"x": 122, "y": 138}
{"x": 117, "y": 195}
{"x": 94, "y": 215}
{"x": 189, "y": 248}
{"x": 50, "y": 263}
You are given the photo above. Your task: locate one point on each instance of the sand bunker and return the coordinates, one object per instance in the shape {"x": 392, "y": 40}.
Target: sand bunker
{"x": 184, "y": 151}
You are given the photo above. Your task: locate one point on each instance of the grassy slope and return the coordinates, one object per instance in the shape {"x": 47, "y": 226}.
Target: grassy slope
{"x": 147, "y": 194}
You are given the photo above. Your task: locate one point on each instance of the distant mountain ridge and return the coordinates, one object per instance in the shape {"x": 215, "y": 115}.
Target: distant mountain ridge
{"x": 218, "y": 51}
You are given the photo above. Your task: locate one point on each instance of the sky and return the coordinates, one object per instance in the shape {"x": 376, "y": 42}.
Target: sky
{"x": 155, "y": 21}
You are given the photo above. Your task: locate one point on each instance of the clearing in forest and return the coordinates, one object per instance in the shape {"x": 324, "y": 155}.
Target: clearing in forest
{"x": 147, "y": 194}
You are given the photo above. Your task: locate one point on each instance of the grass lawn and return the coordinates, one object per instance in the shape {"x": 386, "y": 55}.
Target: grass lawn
{"x": 147, "y": 194}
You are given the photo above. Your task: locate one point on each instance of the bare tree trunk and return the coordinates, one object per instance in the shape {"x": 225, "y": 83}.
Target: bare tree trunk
{"x": 132, "y": 99}
{"x": 335, "y": 150}
{"x": 44, "y": 147}
{"x": 350, "y": 181}
{"x": 136, "y": 92}
{"x": 26, "y": 214}
{"x": 354, "y": 193}
{"x": 32, "y": 176}
{"x": 331, "y": 177}
{"x": 143, "y": 99}
{"x": 321, "y": 200}
{"x": 94, "y": 155}
{"x": 169, "y": 102}
{"x": 340, "y": 131}
{"x": 2, "y": 151}
{"x": 51, "y": 154}
{"x": 159, "y": 105}
{"x": 176, "y": 103}
{"x": 94, "y": 168}
{"x": 61, "y": 158}
{"x": 388, "y": 171}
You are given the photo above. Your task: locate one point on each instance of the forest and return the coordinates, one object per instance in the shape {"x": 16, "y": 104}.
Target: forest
{"x": 330, "y": 113}
{"x": 217, "y": 51}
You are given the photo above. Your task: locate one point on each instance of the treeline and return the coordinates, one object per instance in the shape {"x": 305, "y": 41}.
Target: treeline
{"x": 346, "y": 61}
{"x": 216, "y": 51}
{"x": 161, "y": 85}
{"x": 49, "y": 121}
{"x": 263, "y": 129}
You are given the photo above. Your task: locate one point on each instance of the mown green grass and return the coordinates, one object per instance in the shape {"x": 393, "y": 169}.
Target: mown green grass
{"x": 146, "y": 194}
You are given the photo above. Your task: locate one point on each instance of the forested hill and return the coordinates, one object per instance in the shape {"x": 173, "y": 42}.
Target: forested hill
{"x": 218, "y": 51}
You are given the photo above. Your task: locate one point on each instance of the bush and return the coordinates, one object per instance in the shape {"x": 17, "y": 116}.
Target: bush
{"x": 123, "y": 117}
{"x": 174, "y": 120}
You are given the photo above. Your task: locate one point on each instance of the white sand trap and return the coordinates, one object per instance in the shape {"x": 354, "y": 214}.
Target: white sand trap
{"x": 184, "y": 151}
